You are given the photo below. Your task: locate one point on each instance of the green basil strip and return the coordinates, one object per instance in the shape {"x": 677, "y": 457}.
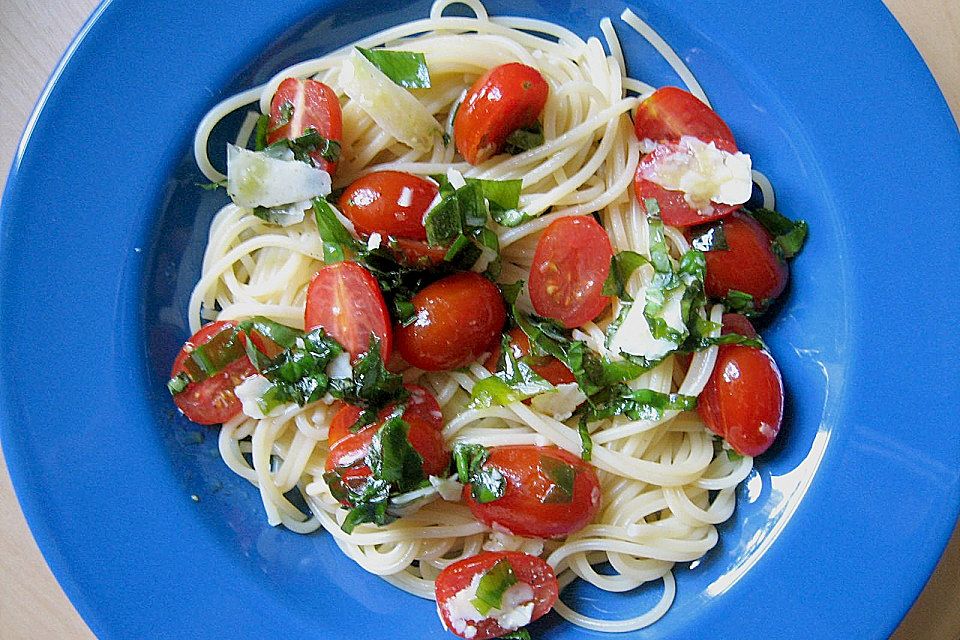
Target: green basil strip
{"x": 494, "y": 583}
{"x": 338, "y": 244}
{"x": 622, "y": 266}
{"x": 740, "y": 302}
{"x": 514, "y": 380}
{"x": 510, "y": 217}
{"x": 519, "y": 634}
{"x": 208, "y": 359}
{"x": 502, "y": 193}
{"x": 212, "y": 186}
{"x": 486, "y": 483}
{"x": 586, "y": 442}
{"x": 562, "y": 476}
{"x": 640, "y": 404}
{"x": 393, "y": 459}
{"x": 524, "y": 139}
{"x": 788, "y": 235}
{"x": 281, "y": 334}
{"x": 260, "y": 137}
{"x": 444, "y": 223}
{"x": 406, "y": 68}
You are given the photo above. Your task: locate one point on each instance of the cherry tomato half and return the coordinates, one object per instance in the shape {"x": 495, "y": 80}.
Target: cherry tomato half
{"x": 570, "y": 264}
{"x": 739, "y": 324}
{"x": 345, "y": 299}
{"x": 458, "y": 576}
{"x": 547, "y": 367}
{"x": 743, "y": 399}
{"x": 392, "y": 203}
{"x": 535, "y": 502}
{"x": 211, "y": 401}
{"x": 671, "y": 113}
{"x": 347, "y": 449}
{"x": 502, "y": 100}
{"x": 301, "y": 104}
{"x": 459, "y": 318}
{"x": 674, "y": 209}
{"x": 749, "y": 265}
{"x": 420, "y": 403}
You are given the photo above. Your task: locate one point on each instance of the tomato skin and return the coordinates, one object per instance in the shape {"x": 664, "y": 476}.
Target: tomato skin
{"x": 547, "y": 367}
{"x": 314, "y": 105}
{"x": 737, "y": 323}
{"x": 502, "y": 100}
{"x": 521, "y": 509}
{"x": 417, "y": 254}
{"x": 674, "y": 209}
{"x": 459, "y": 318}
{"x": 345, "y": 299}
{"x": 749, "y": 265}
{"x": 527, "y": 568}
{"x": 347, "y": 450}
{"x": 671, "y": 113}
{"x": 743, "y": 399}
{"x": 570, "y": 264}
{"x": 372, "y": 203}
{"x": 211, "y": 401}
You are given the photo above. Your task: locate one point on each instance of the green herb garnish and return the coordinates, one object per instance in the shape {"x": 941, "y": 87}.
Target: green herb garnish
{"x": 406, "y": 68}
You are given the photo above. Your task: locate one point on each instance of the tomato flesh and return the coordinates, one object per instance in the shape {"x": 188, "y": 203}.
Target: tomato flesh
{"x": 459, "y": 575}
{"x": 749, "y": 265}
{"x": 458, "y": 319}
{"x": 674, "y": 209}
{"x": 739, "y": 324}
{"x": 547, "y": 367}
{"x": 345, "y": 299}
{"x": 743, "y": 400}
{"x": 504, "y": 99}
{"x": 530, "y": 505}
{"x": 300, "y": 104}
{"x": 570, "y": 264}
{"x": 211, "y": 401}
{"x": 415, "y": 253}
{"x": 391, "y": 203}
{"x": 671, "y": 113}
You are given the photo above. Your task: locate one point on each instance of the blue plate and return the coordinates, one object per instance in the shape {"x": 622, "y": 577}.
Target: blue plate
{"x": 102, "y": 234}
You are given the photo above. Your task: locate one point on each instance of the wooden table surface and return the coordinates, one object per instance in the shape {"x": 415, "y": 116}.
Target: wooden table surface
{"x": 32, "y": 36}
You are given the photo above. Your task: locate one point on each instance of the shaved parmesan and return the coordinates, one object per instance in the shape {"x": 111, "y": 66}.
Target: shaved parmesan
{"x": 255, "y": 179}
{"x": 634, "y": 336}
{"x": 704, "y": 173}
{"x": 392, "y": 107}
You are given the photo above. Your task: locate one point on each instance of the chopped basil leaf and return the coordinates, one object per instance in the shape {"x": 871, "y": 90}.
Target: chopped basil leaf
{"x": 486, "y": 484}
{"x": 504, "y": 194}
{"x": 178, "y": 383}
{"x": 260, "y": 137}
{"x": 404, "y": 311}
{"x": 208, "y": 359}
{"x": 305, "y": 146}
{"x": 511, "y": 291}
{"x": 733, "y": 456}
{"x": 338, "y": 244}
{"x": 639, "y": 404}
{"x": 393, "y": 459}
{"x": 514, "y": 381}
{"x": 494, "y": 583}
{"x": 709, "y": 237}
{"x": 280, "y": 334}
{"x": 368, "y": 500}
{"x": 371, "y": 386}
{"x": 212, "y": 186}
{"x": 459, "y": 221}
{"x": 788, "y": 235}
{"x": 562, "y": 476}
{"x": 510, "y": 217}
{"x": 524, "y": 139}
{"x": 299, "y": 373}
{"x": 519, "y": 634}
{"x": 586, "y": 442}
{"x": 406, "y": 68}
{"x": 622, "y": 266}
{"x": 740, "y": 302}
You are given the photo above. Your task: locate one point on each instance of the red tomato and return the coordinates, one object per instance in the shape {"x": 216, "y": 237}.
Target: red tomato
{"x": 459, "y": 318}
{"x": 415, "y": 253}
{"x": 421, "y": 404}
{"x": 345, "y": 299}
{"x": 391, "y": 203}
{"x": 671, "y": 113}
{"x": 674, "y": 209}
{"x": 737, "y": 323}
{"x": 211, "y": 401}
{"x": 311, "y": 104}
{"x": 749, "y": 265}
{"x": 502, "y": 100}
{"x": 532, "y": 504}
{"x": 547, "y": 367}
{"x": 347, "y": 450}
{"x": 743, "y": 399}
{"x": 458, "y": 576}
{"x": 569, "y": 266}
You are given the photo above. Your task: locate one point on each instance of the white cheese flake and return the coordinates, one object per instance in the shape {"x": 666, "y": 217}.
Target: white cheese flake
{"x": 254, "y": 179}
{"x": 704, "y": 173}
{"x": 249, "y": 393}
{"x": 406, "y": 197}
{"x": 560, "y": 403}
{"x": 634, "y": 336}
{"x": 340, "y": 367}
{"x": 516, "y": 608}
{"x": 456, "y": 178}
{"x": 373, "y": 242}
{"x": 448, "y": 488}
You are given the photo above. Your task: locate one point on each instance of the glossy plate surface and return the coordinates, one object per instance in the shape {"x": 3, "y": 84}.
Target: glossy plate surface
{"x": 101, "y": 240}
